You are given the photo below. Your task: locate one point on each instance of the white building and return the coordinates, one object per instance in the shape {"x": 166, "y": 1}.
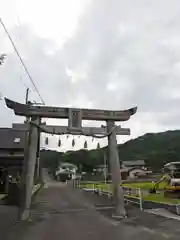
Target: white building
{"x": 134, "y": 168}
{"x": 66, "y": 169}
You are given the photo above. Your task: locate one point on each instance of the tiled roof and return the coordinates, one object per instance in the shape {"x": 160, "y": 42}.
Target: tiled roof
{"x": 134, "y": 163}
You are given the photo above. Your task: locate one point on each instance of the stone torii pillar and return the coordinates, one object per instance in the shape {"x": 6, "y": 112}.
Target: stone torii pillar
{"x": 37, "y": 174}
{"x": 30, "y": 168}
{"x": 113, "y": 157}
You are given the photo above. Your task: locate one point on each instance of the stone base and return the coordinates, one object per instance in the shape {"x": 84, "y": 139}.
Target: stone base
{"x": 25, "y": 216}
{"x": 119, "y": 217}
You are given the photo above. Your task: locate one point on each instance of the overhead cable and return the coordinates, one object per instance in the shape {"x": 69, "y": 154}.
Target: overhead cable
{"x": 21, "y": 60}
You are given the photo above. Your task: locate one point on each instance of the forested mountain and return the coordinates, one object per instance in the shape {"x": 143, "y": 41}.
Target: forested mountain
{"x": 154, "y": 148}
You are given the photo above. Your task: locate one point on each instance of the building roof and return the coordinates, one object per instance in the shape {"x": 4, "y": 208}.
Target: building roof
{"x": 11, "y": 138}
{"x": 68, "y": 165}
{"x": 134, "y": 163}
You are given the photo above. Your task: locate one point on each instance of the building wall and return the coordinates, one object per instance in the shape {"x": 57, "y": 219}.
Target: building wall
{"x": 133, "y": 172}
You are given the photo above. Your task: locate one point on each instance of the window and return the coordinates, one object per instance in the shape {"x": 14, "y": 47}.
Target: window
{"x": 17, "y": 140}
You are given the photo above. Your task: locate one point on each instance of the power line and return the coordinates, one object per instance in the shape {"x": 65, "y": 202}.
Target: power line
{"x": 20, "y": 79}
{"x": 21, "y": 60}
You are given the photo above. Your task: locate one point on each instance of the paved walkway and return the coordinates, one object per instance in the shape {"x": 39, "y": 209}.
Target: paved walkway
{"x": 63, "y": 213}
{"x": 164, "y": 213}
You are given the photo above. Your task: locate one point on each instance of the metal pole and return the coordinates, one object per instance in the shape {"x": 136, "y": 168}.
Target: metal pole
{"x": 27, "y": 95}
{"x": 41, "y": 172}
{"x": 113, "y": 156}
{"x": 7, "y": 183}
{"x": 105, "y": 167}
{"x": 140, "y": 199}
{"x": 27, "y": 102}
{"x": 30, "y": 169}
{"x": 37, "y": 166}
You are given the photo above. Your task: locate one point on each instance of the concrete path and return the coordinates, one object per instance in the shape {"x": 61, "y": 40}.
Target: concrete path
{"x": 61, "y": 212}
{"x": 8, "y": 216}
{"x": 163, "y": 212}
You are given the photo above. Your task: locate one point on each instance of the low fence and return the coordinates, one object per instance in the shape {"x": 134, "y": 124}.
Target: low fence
{"x": 134, "y": 196}
{"x": 131, "y": 195}
{"x": 36, "y": 188}
{"x": 178, "y": 209}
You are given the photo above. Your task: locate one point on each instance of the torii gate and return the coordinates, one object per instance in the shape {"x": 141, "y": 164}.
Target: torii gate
{"x": 75, "y": 117}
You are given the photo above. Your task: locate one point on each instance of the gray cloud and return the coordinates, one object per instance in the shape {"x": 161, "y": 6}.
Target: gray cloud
{"x": 132, "y": 40}
{"x": 131, "y": 46}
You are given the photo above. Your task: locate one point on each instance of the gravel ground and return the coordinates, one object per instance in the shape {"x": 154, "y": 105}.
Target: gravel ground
{"x": 61, "y": 212}
{"x": 169, "y": 228}
{"x": 8, "y": 217}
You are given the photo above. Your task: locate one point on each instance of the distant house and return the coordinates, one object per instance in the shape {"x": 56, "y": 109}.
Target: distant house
{"x": 129, "y": 169}
{"x": 134, "y": 169}
{"x": 66, "y": 171}
{"x": 12, "y": 144}
{"x": 132, "y": 164}
{"x": 101, "y": 168}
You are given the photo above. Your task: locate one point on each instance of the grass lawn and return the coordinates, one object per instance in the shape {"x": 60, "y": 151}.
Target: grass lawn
{"x": 143, "y": 185}
{"x": 159, "y": 197}
{"x": 103, "y": 186}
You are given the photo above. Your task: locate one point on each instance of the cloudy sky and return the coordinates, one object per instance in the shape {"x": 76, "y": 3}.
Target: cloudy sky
{"x": 111, "y": 54}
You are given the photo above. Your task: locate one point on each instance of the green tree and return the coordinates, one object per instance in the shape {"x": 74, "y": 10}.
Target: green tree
{"x": 154, "y": 148}
{"x": 2, "y": 57}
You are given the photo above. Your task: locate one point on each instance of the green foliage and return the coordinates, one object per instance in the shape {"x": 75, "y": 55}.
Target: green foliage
{"x": 50, "y": 159}
{"x": 155, "y": 148}
{"x": 2, "y": 57}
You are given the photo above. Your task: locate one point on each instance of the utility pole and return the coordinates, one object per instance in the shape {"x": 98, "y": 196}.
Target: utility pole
{"x": 118, "y": 196}
{"x": 24, "y": 173}
{"x": 105, "y": 166}
{"x": 38, "y": 170}
{"x": 30, "y": 165}
{"x": 38, "y": 167}
{"x": 27, "y": 95}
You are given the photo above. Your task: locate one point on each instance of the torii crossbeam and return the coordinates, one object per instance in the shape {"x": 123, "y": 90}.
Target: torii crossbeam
{"x": 60, "y": 112}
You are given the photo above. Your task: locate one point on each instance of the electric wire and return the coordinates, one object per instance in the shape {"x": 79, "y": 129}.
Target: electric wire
{"x": 21, "y": 60}
{"x": 21, "y": 78}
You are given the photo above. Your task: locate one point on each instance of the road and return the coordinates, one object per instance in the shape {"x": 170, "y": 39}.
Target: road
{"x": 8, "y": 216}
{"x": 61, "y": 212}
